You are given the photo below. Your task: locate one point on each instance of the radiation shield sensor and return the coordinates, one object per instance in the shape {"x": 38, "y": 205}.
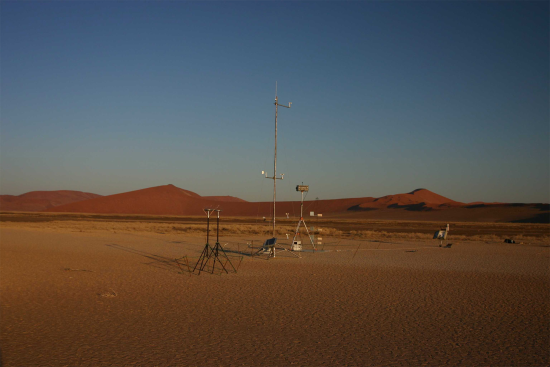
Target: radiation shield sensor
{"x": 302, "y": 188}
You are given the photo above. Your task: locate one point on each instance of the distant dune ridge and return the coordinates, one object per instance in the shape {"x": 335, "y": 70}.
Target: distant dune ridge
{"x": 225, "y": 198}
{"x": 167, "y": 199}
{"x": 418, "y": 200}
{"x": 420, "y": 204}
{"x": 42, "y": 200}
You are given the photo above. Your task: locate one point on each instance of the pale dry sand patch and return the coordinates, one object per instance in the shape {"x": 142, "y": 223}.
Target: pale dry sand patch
{"x": 473, "y": 304}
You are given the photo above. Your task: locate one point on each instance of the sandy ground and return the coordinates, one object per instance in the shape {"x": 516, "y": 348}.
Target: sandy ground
{"x": 342, "y": 227}
{"x": 125, "y": 302}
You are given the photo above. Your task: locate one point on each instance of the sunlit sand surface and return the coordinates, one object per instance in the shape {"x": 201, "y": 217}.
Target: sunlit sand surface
{"x": 99, "y": 298}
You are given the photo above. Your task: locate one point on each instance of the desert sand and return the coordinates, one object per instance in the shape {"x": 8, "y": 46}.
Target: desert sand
{"x": 98, "y": 298}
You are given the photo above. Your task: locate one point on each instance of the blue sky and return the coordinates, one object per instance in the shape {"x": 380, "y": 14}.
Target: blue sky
{"x": 108, "y": 97}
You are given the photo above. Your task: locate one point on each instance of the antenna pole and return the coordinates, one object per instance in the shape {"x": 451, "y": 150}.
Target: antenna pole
{"x": 275, "y": 165}
{"x": 275, "y": 178}
{"x": 218, "y": 228}
{"x": 302, "y": 206}
{"x": 207, "y": 226}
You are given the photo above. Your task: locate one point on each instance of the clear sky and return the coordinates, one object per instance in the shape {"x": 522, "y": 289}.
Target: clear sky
{"x": 387, "y": 97}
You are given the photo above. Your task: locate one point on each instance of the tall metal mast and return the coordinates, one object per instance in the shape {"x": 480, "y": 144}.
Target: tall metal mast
{"x": 275, "y": 178}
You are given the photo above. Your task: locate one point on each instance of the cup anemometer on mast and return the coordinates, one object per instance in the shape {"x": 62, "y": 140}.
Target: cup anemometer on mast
{"x": 275, "y": 178}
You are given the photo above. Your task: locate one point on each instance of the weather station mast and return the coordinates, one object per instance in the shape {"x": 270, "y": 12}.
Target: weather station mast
{"x": 275, "y": 178}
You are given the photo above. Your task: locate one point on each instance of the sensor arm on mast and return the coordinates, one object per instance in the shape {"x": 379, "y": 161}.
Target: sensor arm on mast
{"x": 282, "y": 105}
{"x": 271, "y": 178}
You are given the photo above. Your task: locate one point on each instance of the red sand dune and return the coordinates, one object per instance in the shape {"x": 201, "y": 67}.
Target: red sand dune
{"x": 419, "y": 204}
{"x": 167, "y": 199}
{"x": 171, "y": 200}
{"x": 417, "y": 200}
{"x": 225, "y": 198}
{"x": 42, "y": 200}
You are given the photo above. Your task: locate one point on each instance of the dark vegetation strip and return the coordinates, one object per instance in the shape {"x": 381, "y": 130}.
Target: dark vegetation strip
{"x": 345, "y": 225}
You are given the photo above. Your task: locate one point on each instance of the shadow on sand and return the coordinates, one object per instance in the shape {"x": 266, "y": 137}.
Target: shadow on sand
{"x": 158, "y": 261}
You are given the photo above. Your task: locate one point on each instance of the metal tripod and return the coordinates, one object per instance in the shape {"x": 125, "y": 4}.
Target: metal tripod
{"x": 213, "y": 254}
{"x": 297, "y": 232}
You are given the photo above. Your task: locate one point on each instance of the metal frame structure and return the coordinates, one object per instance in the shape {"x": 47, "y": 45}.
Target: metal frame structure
{"x": 302, "y": 188}
{"x": 275, "y": 178}
{"x": 441, "y": 235}
{"x": 212, "y": 254}
{"x": 270, "y": 247}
